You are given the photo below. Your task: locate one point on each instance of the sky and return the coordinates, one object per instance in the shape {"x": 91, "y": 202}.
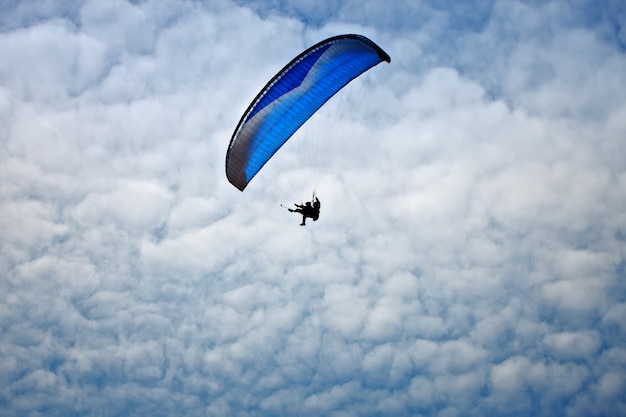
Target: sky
{"x": 469, "y": 259}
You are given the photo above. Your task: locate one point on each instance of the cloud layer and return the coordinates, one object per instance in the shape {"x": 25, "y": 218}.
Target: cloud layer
{"x": 470, "y": 255}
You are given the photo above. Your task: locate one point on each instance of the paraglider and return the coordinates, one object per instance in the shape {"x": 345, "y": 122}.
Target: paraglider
{"x": 292, "y": 96}
{"x": 308, "y": 210}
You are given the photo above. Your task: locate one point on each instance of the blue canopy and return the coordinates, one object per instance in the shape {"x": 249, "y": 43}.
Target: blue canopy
{"x": 292, "y": 96}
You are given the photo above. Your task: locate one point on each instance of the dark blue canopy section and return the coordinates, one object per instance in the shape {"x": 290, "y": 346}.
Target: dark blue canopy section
{"x": 292, "y": 78}
{"x": 292, "y": 97}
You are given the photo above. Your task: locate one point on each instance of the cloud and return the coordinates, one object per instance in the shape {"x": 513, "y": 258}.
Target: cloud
{"x": 469, "y": 256}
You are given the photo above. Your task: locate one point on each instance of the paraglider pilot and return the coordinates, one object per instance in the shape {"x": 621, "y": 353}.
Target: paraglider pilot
{"x": 308, "y": 210}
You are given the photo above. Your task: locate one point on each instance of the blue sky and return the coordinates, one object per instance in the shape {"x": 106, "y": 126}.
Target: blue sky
{"x": 469, "y": 259}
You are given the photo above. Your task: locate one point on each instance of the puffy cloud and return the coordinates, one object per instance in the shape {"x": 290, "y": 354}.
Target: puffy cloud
{"x": 469, "y": 257}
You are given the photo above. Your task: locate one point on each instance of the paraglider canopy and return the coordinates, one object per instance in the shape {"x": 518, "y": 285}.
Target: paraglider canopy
{"x": 292, "y": 96}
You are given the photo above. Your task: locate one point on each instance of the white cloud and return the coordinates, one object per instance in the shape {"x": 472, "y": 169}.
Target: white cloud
{"x": 574, "y": 345}
{"x": 469, "y": 257}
